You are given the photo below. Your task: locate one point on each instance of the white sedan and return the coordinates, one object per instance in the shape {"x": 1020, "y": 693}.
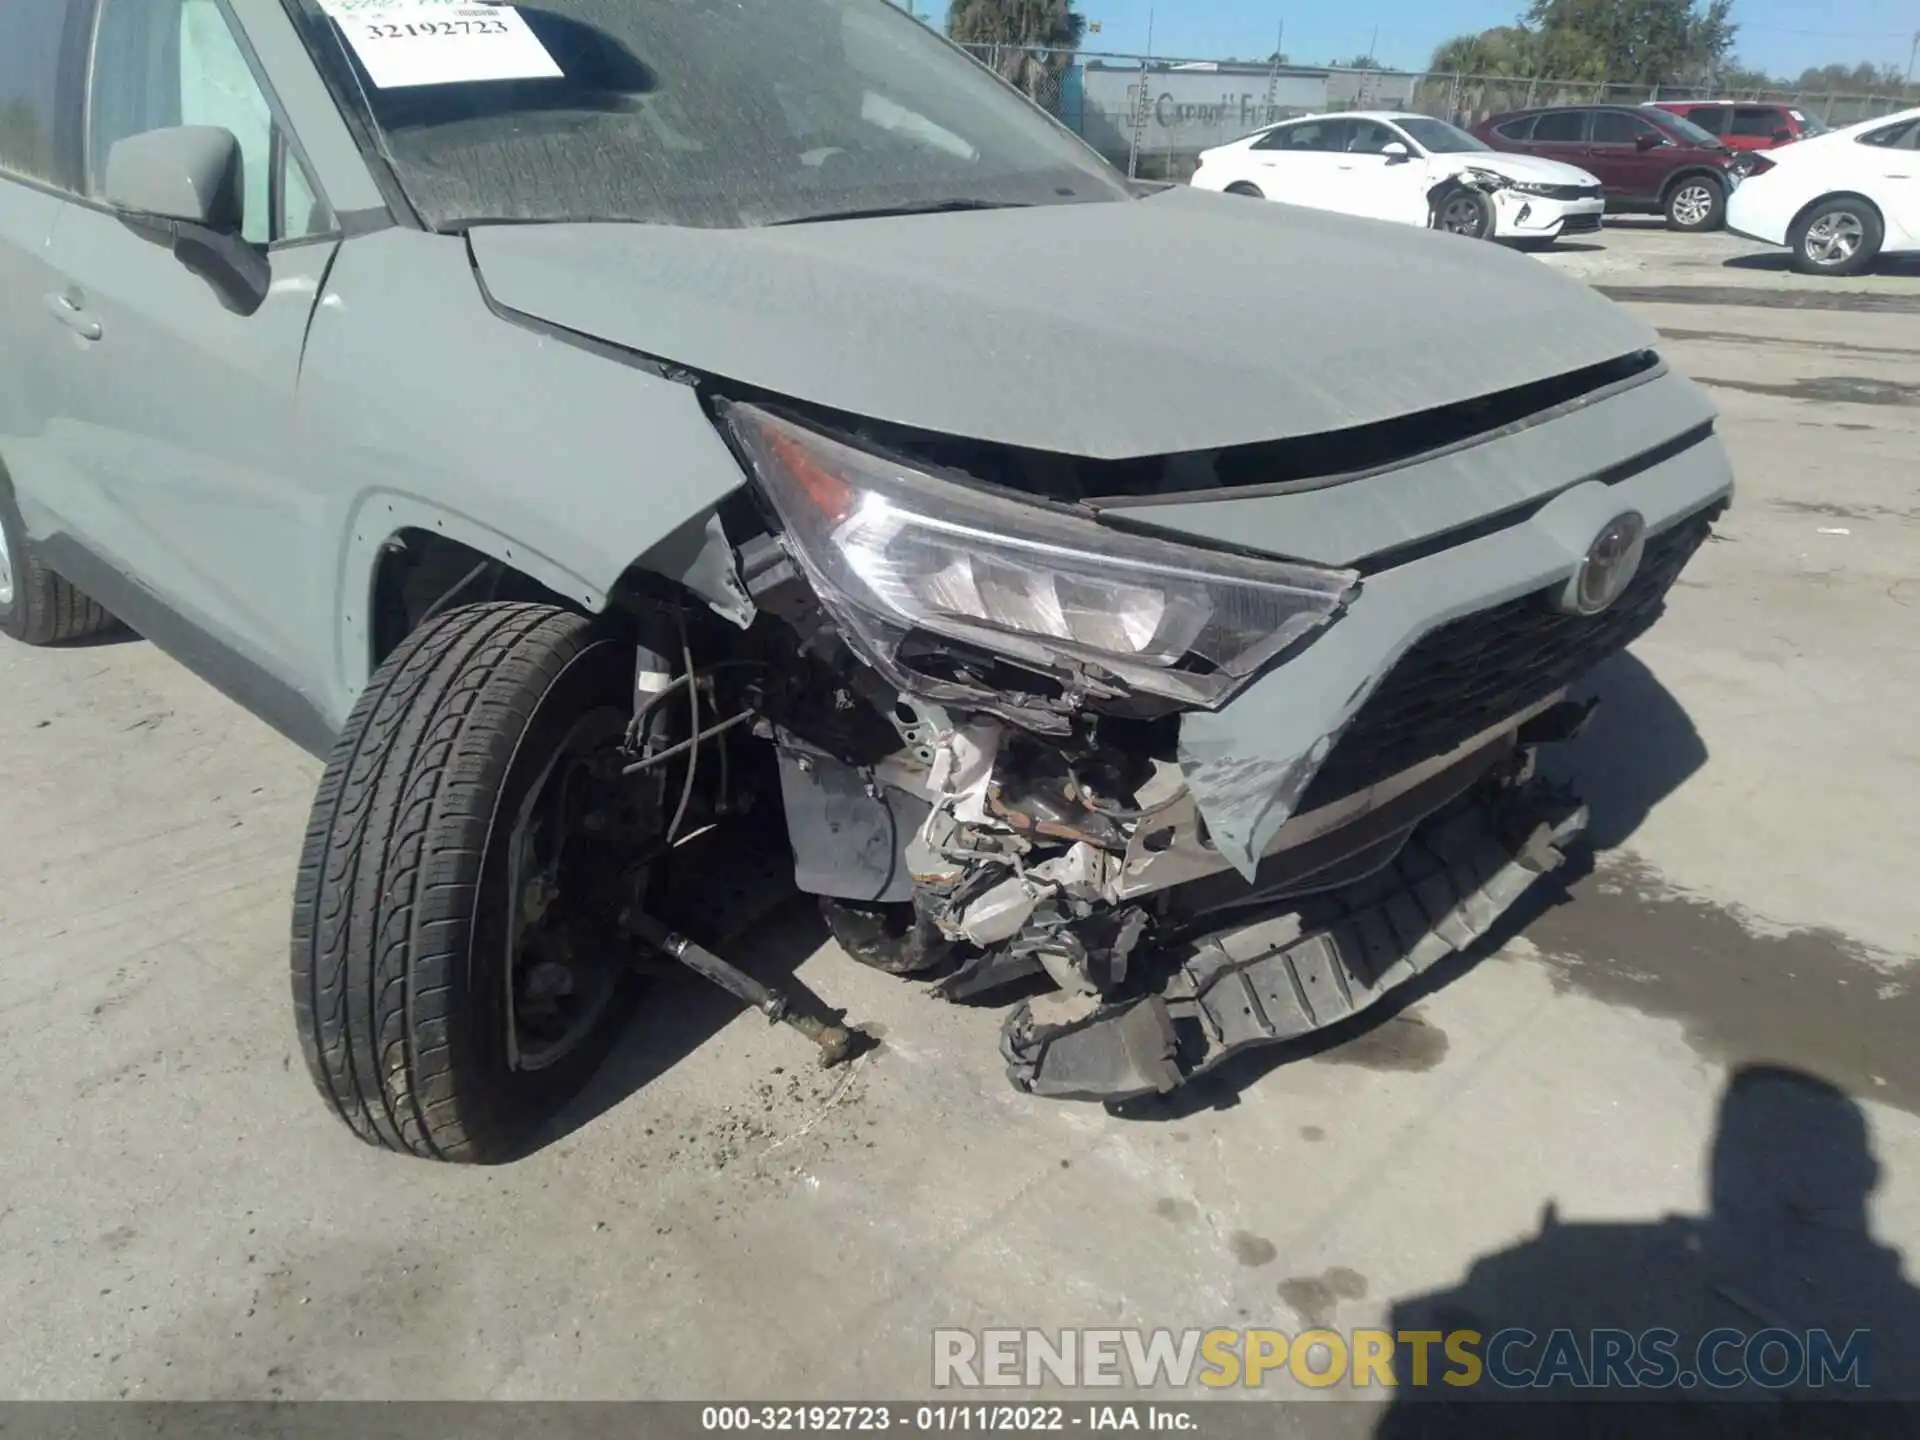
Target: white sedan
{"x": 1409, "y": 168}
{"x": 1839, "y": 200}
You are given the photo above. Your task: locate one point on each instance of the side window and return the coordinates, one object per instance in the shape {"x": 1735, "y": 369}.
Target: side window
{"x": 1314, "y": 136}
{"x": 1616, "y": 127}
{"x": 1370, "y": 137}
{"x": 1327, "y": 135}
{"x": 161, "y": 63}
{"x": 31, "y": 39}
{"x": 1565, "y": 126}
{"x": 1757, "y": 120}
{"x": 1893, "y": 137}
{"x": 1710, "y": 118}
{"x": 1521, "y": 129}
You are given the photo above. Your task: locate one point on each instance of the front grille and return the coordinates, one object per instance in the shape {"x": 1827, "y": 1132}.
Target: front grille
{"x": 1472, "y": 673}
{"x": 1580, "y": 225}
{"x": 1569, "y": 192}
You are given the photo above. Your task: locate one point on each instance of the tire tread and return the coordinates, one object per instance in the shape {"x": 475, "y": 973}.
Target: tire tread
{"x": 390, "y": 868}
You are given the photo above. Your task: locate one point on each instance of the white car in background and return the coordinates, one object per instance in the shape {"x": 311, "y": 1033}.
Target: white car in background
{"x": 1409, "y": 168}
{"x": 1839, "y": 201}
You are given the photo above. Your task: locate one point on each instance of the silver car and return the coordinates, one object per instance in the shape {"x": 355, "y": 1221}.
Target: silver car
{"x": 662, "y": 454}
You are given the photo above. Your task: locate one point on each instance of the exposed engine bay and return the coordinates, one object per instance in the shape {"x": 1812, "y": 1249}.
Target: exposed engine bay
{"x": 1006, "y": 816}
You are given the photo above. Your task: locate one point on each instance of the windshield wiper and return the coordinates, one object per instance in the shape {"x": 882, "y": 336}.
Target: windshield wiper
{"x": 909, "y": 207}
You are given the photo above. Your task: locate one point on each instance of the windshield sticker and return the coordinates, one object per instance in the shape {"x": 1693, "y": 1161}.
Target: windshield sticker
{"x": 440, "y": 42}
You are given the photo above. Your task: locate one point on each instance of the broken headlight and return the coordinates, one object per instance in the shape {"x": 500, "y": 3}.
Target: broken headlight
{"x": 892, "y": 549}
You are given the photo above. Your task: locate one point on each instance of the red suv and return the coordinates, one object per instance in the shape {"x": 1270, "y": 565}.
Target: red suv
{"x": 1647, "y": 160}
{"x": 1746, "y": 125}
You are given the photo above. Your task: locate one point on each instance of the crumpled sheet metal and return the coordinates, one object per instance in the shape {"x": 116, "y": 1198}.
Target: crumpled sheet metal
{"x": 1275, "y": 980}
{"x": 1248, "y": 763}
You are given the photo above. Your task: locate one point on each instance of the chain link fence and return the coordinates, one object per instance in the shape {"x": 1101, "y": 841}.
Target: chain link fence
{"x": 1153, "y": 117}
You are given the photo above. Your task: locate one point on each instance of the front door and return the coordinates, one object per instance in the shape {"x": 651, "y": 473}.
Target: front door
{"x": 1630, "y": 156}
{"x": 38, "y": 41}
{"x": 1386, "y": 187}
{"x": 180, "y": 407}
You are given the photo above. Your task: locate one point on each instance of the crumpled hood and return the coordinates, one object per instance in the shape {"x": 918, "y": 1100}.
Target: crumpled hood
{"x": 1185, "y": 321}
{"x": 1534, "y": 168}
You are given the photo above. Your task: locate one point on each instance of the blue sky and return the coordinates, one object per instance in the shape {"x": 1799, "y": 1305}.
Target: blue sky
{"x": 1782, "y": 36}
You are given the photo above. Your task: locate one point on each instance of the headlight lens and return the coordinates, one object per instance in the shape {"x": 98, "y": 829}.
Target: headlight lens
{"x": 891, "y": 549}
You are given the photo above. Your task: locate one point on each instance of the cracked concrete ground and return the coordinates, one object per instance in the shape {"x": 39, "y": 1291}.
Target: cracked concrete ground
{"x": 181, "y": 1218}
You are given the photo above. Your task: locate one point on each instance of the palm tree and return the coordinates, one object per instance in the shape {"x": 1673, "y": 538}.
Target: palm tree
{"x": 1030, "y": 42}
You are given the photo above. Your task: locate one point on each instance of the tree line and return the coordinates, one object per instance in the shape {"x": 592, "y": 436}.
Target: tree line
{"x": 1633, "y": 42}
{"x": 1641, "y": 42}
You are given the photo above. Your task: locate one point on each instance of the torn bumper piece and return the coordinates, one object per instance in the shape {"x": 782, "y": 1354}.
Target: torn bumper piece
{"x": 1286, "y": 976}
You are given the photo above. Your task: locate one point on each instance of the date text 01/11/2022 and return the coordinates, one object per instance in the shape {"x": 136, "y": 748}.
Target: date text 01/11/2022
{"x": 945, "y": 1419}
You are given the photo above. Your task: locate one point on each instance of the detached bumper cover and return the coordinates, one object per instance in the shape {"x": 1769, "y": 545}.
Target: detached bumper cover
{"x": 1284, "y": 977}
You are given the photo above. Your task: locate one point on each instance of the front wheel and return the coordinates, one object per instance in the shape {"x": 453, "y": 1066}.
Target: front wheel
{"x": 1468, "y": 213}
{"x": 1245, "y": 191}
{"x": 450, "y": 988}
{"x": 1836, "y": 237}
{"x": 1696, "y": 203}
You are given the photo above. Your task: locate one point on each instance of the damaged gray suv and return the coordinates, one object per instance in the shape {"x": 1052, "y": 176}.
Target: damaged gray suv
{"x": 663, "y": 451}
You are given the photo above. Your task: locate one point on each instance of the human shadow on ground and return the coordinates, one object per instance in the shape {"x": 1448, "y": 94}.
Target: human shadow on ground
{"x": 1775, "y": 1313}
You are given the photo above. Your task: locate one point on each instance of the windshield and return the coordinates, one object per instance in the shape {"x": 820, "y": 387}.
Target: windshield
{"x": 709, "y": 113}
{"x": 1810, "y": 125}
{"x": 1437, "y": 137}
{"x": 1688, "y": 131}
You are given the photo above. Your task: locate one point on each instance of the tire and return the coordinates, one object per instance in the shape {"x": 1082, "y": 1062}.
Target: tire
{"x": 1466, "y": 213}
{"x": 1245, "y": 191}
{"x": 1696, "y": 203}
{"x": 1841, "y": 218}
{"x": 400, "y": 963}
{"x": 37, "y": 607}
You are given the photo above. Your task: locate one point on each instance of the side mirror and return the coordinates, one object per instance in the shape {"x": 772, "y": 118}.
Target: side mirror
{"x": 190, "y": 173}
{"x": 1783, "y": 137}
{"x": 1396, "y": 153}
{"x": 190, "y": 181}
{"x": 1649, "y": 140}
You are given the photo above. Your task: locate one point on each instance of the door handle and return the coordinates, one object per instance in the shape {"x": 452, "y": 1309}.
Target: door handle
{"x": 71, "y": 313}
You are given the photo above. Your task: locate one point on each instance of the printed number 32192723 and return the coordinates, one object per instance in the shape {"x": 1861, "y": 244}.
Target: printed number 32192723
{"x": 420, "y": 42}
{"x": 427, "y": 29}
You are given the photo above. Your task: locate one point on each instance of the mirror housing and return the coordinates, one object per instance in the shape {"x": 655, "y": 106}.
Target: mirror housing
{"x": 1783, "y": 137}
{"x": 1396, "y": 153}
{"x": 1652, "y": 140}
{"x": 186, "y": 187}
{"x": 188, "y": 173}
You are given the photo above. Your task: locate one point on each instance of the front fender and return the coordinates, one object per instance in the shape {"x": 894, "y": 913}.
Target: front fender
{"x": 422, "y": 407}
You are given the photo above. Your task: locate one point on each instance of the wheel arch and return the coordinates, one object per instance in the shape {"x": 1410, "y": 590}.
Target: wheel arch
{"x": 1693, "y": 172}
{"x": 1814, "y": 204}
{"x": 407, "y": 560}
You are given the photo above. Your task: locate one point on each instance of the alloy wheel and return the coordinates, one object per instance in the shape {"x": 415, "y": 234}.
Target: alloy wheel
{"x": 1462, "y": 216}
{"x": 1834, "y": 238}
{"x": 1693, "y": 205}
{"x": 559, "y": 984}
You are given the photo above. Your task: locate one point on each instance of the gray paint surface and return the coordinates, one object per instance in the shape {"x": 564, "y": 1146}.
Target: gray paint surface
{"x": 420, "y": 408}
{"x": 1240, "y": 761}
{"x": 1215, "y": 322}
{"x": 1344, "y": 524}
